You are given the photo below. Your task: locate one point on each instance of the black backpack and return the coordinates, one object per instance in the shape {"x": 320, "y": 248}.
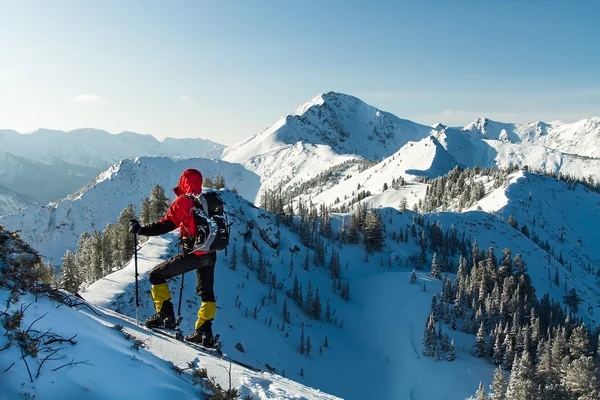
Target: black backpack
{"x": 211, "y": 222}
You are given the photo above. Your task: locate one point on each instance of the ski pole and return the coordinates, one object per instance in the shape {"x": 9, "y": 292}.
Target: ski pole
{"x": 137, "y": 301}
{"x": 180, "y": 297}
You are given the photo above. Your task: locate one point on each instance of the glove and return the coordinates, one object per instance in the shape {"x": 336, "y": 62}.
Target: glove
{"x": 134, "y": 226}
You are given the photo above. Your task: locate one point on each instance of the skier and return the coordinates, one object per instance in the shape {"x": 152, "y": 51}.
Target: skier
{"x": 180, "y": 216}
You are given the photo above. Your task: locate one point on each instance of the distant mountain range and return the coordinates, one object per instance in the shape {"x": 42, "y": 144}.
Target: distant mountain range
{"x": 47, "y": 165}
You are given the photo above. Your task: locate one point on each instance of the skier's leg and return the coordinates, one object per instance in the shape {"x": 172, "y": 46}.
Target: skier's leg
{"x": 161, "y": 295}
{"x": 205, "y": 275}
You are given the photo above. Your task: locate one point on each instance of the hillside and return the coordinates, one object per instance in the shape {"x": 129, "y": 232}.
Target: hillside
{"x": 328, "y": 130}
{"x": 386, "y": 356}
{"x": 569, "y": 149}
{"x": 11, "y": 201}
{"x": 55, "y": 228}
{"x": 73, "y": 351}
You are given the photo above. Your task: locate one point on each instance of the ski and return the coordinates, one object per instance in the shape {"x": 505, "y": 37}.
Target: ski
{"x": 213, "y": 351}
{"x": 175, "y": 334}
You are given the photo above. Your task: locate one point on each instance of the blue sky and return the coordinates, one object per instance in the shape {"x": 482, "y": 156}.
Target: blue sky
{"x": 225, "y": 70}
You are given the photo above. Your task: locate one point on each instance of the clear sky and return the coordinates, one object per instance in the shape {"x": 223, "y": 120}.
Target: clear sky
{"x": 225, "y": 70}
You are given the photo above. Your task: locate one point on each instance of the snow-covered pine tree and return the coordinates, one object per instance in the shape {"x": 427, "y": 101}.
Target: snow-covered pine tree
{"x": 579, "y": 342}
{"x": 374, "y": 231}
{"x": 435, "y": 267}
{"x": 480, "y": 394}
{"x": 452, "y": 352}
{"x": 413, "y": 277}
{"x": 126, "y": 245}
{"x": 146, "y": 212}
{"x": 71, "y": 279}
{"x": 159, "y": 203}
{"x": 581, "y": 378}
{"x": 480, "y": 345}
{"x": 521, "y": 384}
{"x": 498, "y": 386}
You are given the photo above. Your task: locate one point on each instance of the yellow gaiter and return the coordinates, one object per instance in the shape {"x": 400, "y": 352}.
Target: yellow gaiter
{"x": 160, "y": 293}
{"x": 206, "y": 313}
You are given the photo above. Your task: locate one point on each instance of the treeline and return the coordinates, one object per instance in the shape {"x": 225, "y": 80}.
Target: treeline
{"x": 551, "y": 353}
{"x": 100, "y": 253}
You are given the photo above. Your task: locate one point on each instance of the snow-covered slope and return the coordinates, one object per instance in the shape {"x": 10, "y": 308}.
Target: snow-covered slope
{"x": 11, "y": 201}
{"x": 96, "y": 361}
{"x": 426, "y": 158}
{"x": 55, "y": 228}
{"x": 373, "y": 355}
{"x": 566, "y": 217}
{"x": 328, "y": 130}
{"x": 97, "y": 148}
{"x": 572, "y": 149}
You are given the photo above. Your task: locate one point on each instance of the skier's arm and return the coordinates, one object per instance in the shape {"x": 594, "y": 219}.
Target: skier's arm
{"x": 158, "y": 228}
{"x": 162, "y": 226}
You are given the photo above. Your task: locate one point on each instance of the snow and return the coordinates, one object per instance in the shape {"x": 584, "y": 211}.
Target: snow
{"x": 384, "y": 351}
{"x": 114, "y": 370}
{"x": 54, "y": 229}
{"x": 328, "y": 130}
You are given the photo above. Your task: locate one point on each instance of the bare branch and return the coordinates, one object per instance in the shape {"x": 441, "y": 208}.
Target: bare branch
{"x": 60, "y": 339}
{"x": 73, "y": 363}
{"x": 44, "y": 360}
{"x": 36, "y": 320}
{"x": 6, "y": 370}
{"x": 27, "y": 365}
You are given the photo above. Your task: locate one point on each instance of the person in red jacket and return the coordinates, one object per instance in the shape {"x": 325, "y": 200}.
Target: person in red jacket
{"x": 180, "y": 216}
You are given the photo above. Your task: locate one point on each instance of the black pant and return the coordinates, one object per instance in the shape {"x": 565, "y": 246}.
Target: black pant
{"x": 182, "y": 263}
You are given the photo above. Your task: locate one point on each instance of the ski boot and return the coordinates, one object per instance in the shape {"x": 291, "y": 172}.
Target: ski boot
{"x": 165, "y": 318}
{"x": 202, "y": 336}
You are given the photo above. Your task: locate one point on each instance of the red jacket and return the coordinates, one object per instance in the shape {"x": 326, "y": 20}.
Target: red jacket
{"x": 180, "y": 213}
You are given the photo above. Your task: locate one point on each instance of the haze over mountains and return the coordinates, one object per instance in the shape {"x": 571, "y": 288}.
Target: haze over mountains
{"x": 47, "y": 165}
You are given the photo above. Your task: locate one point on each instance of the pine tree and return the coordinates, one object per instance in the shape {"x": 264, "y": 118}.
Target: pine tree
{"x": 96, "y": 256}
{"x": 521, "y": 385}
{"x": 295, "y": 294}
{"x": 233, "y": 262}
{"x": 498, "y": 386}
{"x": 306, "y": 265}
{"x": 326, "y": 342}
{"x": 301, "y": 346}
{"x": 286, "y": 314}
{"x": 308, "y": 346}
{"x": 126, "y": 247}
{"x": 413, "y": 278}
{"x": 451, "y": 352}
{"x": 581, "y": 378}
{"x": 245, "y": 256}
{"x": 327, "y": 312}
{"x": 159, "y": 203}
{"x": 146, "y": 212}
{"x": 435, "y": 268}
{"x": 316, "y": 307}
{"x": 70, "y": 276}
{"x": 579, "y": 342}
{"x": 480, "y": 345}
{"x": 374, "y": 231}
{"x": 480, "y": 394}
